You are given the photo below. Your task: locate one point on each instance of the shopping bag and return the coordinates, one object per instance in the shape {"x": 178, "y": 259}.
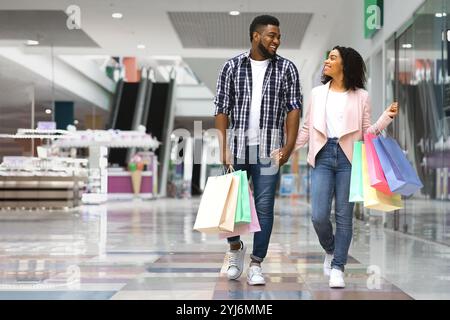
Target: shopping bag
{"x": 243, "y": 214}
{"x": 376, "y": 174}
{"x": 399, "y": 173}
{"x": 245, "y": 228}
{"x": 374, "y": 199}
{"x": 356, "y": 183}
{"x": 218, "y": 204}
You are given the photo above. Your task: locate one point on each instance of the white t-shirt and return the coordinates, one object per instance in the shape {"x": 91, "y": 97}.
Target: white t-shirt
{"x": 258, "y": 72}
{"x": 335, "y": 113}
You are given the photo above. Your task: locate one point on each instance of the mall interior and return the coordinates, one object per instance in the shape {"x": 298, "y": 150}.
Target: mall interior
{"x": 97, "y": 201}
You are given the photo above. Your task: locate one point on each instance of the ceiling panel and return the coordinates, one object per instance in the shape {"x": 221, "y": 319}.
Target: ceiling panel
{"x": 210, "y": 30}
{"x": 47, "y": 26}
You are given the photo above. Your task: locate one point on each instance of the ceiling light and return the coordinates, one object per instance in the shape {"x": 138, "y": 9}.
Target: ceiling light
{"x": 141, "y": 46}
{"x": 48, "y": 111}
{"x": 407, "y": 46}
{"x": 117, "y": 15}
{"x": 440, "y": 14}
{"x": 32, "y": 42}
{"x": 234, "y": 13}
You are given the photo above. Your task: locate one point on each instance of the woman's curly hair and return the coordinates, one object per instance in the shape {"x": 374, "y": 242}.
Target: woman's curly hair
{"x": 353, "y": 66}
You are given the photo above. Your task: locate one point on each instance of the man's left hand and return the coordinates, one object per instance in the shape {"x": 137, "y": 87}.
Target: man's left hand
{"x": 281, "y": 156}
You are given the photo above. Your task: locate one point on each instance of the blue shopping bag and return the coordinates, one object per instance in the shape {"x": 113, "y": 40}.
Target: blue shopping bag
{"x": 400, "y": 174}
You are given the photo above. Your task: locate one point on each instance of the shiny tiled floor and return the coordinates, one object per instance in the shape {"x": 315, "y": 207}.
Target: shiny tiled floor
{"x": 147, "y": 250}
{"x": 427, "y": 219}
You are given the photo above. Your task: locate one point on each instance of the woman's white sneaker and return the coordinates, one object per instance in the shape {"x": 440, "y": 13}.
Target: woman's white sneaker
{"x": 236, "y": 262}
{"x": 327, "y": 264}
{"x": 336, "y": 279}
{"x": 255, "y": 276}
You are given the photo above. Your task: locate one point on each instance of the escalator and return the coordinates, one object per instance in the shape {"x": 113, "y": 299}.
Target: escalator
{"x": 124, "y": 106}
{"x": 143, "y": 103}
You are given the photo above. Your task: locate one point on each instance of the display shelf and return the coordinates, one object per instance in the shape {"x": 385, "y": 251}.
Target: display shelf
{"x": 36, "y": 134}
{"x": 97, "y": 141}
{"x": 52, "y": 182}
{"x": 109, "y": 139}
{"x": 41, "y": 131}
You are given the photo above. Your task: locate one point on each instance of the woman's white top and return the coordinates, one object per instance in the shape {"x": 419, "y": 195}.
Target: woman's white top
{"x": 335, "y": 107}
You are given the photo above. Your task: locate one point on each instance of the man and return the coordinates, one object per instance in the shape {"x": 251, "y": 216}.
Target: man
{"x": 256, "y": 90}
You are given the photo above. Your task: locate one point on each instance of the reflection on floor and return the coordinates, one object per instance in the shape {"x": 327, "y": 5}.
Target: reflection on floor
{"x": 427, "y": 219}
{"x": 147, "y": 250}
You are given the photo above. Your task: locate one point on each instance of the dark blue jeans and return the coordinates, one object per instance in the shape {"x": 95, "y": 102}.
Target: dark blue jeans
{"x": 264, "y": 176}
{"x": 331, "y": 178}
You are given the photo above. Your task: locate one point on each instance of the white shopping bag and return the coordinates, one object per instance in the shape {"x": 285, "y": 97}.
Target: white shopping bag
{"x": 218, "y": 205}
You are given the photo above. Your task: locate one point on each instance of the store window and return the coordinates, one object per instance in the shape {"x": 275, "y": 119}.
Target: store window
{"x": 418, "y": 77}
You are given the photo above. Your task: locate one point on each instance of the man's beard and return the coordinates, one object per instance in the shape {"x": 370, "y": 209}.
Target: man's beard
{"x": 264, "y": 52}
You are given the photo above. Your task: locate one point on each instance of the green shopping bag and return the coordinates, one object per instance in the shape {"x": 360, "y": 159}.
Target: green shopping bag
{"x": 243, "y": 210}
{"x": 356, "y": 181}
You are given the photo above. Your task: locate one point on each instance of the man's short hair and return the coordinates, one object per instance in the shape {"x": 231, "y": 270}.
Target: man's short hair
{"x": 263, "y": 20}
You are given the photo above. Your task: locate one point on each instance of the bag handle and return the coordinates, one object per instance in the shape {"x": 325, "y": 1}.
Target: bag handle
{"x": 383, "y": 132}
{"x": 230, "y": 169}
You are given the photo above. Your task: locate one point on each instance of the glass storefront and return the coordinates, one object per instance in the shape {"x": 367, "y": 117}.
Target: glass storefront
{"x": 418, "y": 77}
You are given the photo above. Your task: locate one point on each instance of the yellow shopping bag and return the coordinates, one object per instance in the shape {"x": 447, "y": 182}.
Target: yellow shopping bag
{"x": 218, "y": 204}
{"x": 374, "y": 199}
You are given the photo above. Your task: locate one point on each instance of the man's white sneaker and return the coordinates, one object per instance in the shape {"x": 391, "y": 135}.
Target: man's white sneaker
{"x": 327, "y": 264}
{"x": 336, "y": 279}
{"x": 236, "y": 262}
{"x": 255, "y": 276}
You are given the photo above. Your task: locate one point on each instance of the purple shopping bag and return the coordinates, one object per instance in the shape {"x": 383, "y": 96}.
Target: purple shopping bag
{"x": 399, "y": 173}
{"x": 244, "y": 228}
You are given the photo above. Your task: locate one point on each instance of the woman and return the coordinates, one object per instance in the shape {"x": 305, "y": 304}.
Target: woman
{"x": 337, "y": 116}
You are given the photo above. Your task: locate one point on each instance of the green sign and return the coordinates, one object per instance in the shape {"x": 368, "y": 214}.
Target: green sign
{"x": 373, "y": 17}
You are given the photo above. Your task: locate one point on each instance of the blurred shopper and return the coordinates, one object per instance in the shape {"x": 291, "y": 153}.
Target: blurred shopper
{"x": 258, "y": 92}
{"x": 338, "y": 115}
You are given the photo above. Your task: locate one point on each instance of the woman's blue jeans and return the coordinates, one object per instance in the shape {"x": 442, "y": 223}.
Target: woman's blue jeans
{"x": 331, "y": 178}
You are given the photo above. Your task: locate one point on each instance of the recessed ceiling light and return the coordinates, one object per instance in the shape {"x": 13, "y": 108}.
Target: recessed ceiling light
{"x": 32, "y": 42}
{"x": 234, "y": 13}
{"x": 117, "y": 15}
{"x": 407, "y": 46}
{"x": 141, "y": 46}
{"x": 48, "y": 111}
{"x": 440, "y": 14}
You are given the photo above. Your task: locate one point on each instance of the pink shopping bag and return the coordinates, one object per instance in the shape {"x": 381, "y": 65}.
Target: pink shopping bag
{"x": 376, "y": 174}
{"x": 240, "y": 229}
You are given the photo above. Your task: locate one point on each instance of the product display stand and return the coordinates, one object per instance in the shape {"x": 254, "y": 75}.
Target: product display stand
{"x": 35, "y": 183}
{"x": 98, "y": 142}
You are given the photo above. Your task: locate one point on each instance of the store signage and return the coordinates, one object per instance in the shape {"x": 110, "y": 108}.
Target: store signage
{"x": 373, "y": 17}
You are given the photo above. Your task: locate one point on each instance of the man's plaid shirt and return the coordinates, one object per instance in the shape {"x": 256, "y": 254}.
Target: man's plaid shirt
{"x": 281, "y": 94}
